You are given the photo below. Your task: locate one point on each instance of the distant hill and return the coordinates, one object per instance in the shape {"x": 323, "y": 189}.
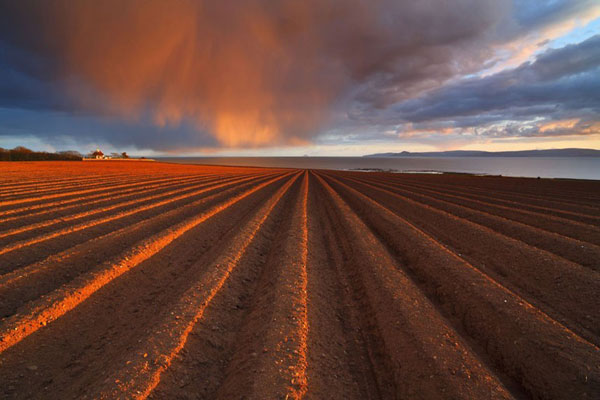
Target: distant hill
{"x": 475, "y": 153}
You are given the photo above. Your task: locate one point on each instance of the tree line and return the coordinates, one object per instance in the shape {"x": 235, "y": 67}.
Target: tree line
{"x": 21, "y": 153}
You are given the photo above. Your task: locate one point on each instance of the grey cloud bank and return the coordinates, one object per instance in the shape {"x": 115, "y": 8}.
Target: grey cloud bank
{"x": 561, "y": 84}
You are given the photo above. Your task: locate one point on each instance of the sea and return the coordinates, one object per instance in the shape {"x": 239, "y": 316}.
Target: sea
{"x": 544, "y": 167}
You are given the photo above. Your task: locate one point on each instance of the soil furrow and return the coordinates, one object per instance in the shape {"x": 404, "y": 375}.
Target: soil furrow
{"x": 583, "y": 253}
{"x": 48, "y": 207}
{"x": 139, "y": 378}
{"x": 35, "y": 186}
{"x": 155, "y": 280}
{"x": 429, "y": 358}
{"x": 114, "y": 205}
{"x": 62, "y": 190}
{"x": 60, "y": 207}
{"x": 47, "y": 309}
{"x": 103, "y": 220}
{"x": 270, "y": 360}
{"x": 35, "y": 280}
{"x": 549, "y": 288}
{"x": 104, "y": 331}
{"x": 501, "y": 207}
{"x": 25, "y": 256}
{"x": 544, "y": 356}
{"x": 493, "y": 193}
{"x": 356, "y": 351}
{"x": 568, "y": 189}
{"x": 75, "y": 193}
{"x": 21, "y": 183}
{"x": 199, "y": 369}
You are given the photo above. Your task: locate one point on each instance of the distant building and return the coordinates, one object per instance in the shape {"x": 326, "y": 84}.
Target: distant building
{"x": 98, "y": 155}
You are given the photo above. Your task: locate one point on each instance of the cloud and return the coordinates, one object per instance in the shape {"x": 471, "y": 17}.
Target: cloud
{"x": 533, "y": 25}
{"x": 198, "y": 74}
{"x": 65, "y": 129}
{"x": 534, "y": 99}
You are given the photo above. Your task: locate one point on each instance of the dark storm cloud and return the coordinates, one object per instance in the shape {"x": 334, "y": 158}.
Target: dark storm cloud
{"x": 22, "y": 81}
{"x": 62, "y": 129}
{"x": 166, "y": 74}
{"x": 562, "y": 84}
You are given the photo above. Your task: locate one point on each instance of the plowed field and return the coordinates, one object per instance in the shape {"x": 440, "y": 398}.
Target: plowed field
{"x": 150, "y": 280}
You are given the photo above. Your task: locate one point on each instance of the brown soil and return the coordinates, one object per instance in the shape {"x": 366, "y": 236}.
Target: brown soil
{"x": 152, "y": 280}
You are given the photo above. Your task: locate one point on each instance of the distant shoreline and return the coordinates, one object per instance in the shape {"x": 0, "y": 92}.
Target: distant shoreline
{"x": 544, "y": 167}
{"x": 571, "y": 152}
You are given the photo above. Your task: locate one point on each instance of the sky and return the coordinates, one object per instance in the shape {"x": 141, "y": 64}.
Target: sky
{"x": 293, "y": 78}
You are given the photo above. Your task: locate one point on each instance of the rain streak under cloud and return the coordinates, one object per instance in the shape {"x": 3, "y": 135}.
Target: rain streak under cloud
{"x": 190, "y": 75}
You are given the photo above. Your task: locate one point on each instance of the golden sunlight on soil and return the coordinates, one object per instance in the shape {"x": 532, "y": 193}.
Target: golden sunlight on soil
{"x": 140, "y": 279}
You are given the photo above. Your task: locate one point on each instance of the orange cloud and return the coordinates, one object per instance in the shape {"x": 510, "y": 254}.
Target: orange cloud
{"x": 558, "y": 125}
{"x": 574, "y": 126}
{"x": 246, "y": 74}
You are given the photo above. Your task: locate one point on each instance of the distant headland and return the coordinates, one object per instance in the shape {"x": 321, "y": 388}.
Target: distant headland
{"x": 476, "y": 153}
